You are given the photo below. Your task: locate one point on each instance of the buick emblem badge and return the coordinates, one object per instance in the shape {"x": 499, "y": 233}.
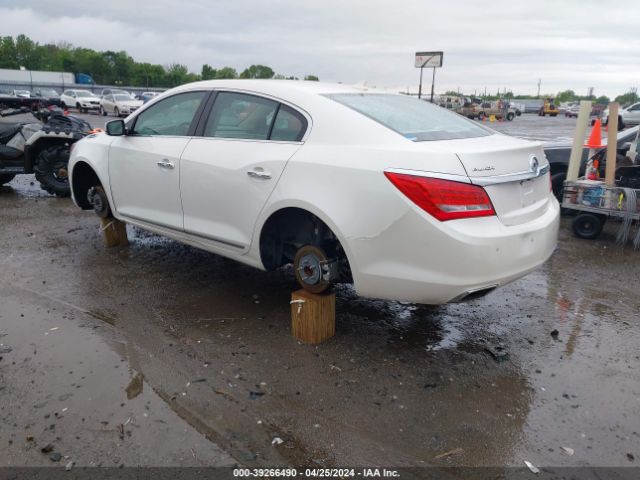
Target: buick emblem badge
{"x": 534, "y": 164}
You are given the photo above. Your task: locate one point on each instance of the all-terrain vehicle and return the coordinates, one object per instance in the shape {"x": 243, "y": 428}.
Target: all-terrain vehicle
{"x": 40, "y": 148}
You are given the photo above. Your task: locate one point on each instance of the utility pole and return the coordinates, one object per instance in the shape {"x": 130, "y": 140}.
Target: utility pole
{"x": 539, "y": 82}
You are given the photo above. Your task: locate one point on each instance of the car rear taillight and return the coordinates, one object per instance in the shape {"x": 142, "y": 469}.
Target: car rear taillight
{"x": 443, "y": 199}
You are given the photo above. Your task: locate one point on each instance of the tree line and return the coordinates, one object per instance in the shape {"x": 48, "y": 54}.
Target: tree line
{"x": 115, "y": 68}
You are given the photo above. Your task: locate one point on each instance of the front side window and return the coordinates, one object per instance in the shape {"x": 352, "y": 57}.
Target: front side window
{"x": 171, "y": 116}
{"x": 415, "y": 119}
{"x": 237, "y": 115}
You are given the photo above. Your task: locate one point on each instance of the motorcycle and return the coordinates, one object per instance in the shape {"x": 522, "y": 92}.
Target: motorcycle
{"x": 40, "y": 148}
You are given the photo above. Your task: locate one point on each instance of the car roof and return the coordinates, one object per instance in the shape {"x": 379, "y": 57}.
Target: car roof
{"x": 303, "y": 94}
{"x": 275, "y": 87}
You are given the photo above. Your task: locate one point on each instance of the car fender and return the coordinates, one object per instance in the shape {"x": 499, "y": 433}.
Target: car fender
{"x": 281, "y": 204}
{"x": 310, "y": 184}
{"x": 94, "y": 151}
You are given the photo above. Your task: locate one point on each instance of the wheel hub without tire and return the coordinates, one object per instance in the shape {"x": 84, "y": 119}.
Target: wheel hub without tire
{"x": 310, "y": 269}
{"x": 314, "y": 270}
{"x": 99, "y": 201}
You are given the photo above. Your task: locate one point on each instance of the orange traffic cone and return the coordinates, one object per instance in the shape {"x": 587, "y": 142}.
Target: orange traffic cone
{"x": 595, "y": 139}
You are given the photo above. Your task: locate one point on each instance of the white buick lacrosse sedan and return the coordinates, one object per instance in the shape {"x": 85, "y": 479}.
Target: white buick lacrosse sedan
{"x": 406, "y": 200}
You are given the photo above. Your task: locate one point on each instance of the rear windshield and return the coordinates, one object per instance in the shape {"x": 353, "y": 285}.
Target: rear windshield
{"x": 417, "y": 120}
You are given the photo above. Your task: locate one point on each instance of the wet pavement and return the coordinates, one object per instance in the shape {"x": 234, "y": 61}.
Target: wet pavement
{"x": 547, "y": 362}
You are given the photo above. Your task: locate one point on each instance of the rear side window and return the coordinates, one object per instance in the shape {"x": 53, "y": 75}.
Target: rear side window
{"x": 417, "y": 120}
{"x": 289, "y": 125}
{"x": 172, "y": 116}
{"x": 250, "y": 117}
{"x": 237, "y": 115}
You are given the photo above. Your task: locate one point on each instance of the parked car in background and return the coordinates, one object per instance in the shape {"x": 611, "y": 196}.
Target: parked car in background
{"x": 7, "y": 100}
{"x": 110, "y": 91}
{"x": 572, "y": 110}
{"x": 517, "y": 108}
{"x": 146, "y": 96}
{"x": 48, "y": 96}
{"x": 119, "y": 104}
{"x": 406, "y": 200}
{"x": 21, "y": 93}
{"x": 83, "y": 100}
{"x": 626, "y": 116}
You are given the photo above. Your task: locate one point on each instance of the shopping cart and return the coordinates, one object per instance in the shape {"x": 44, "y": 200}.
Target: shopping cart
{"x": 596, "y": 202}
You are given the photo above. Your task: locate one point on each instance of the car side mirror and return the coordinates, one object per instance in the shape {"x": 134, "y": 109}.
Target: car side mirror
{"x": 115, "y": 128}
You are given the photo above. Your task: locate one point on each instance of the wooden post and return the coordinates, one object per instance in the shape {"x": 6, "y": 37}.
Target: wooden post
{"x": 313, "y": 316}
{"x": 114, "y": 232}
{"x": 612, "y": 145}
{"x": 573, "y": 170}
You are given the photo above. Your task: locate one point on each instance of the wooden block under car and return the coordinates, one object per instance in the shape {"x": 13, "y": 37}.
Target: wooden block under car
{"x": 313, "y": 316}
{"x": 114, "y": 232}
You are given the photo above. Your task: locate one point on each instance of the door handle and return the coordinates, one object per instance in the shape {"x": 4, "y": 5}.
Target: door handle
{"x": 164, "y": 163}
{"x": 259, "y": 174}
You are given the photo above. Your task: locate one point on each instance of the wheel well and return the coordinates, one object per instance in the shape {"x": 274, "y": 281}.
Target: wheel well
{"x": 84, "y": 177}
{"x": 286, "y": 230}
{"x": 33, "y": 150}
{"x": 44, "y": 143}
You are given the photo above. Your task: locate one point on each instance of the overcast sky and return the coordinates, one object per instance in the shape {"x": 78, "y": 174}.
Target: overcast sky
{"x": 493, "y": 44}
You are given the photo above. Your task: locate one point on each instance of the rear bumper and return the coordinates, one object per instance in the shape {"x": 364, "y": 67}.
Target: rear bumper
{"x": 421, "y": 260}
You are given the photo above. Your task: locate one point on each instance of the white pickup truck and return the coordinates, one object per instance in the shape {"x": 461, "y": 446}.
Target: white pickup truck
{"x": 626, "y": 117}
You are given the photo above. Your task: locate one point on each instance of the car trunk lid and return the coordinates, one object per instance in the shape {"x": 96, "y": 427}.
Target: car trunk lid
{"x": 515, "y": 174}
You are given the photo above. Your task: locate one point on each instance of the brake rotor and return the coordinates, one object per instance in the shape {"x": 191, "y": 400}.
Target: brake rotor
{"x": 99, "y": 201}
{"x": 313, "y": 269}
